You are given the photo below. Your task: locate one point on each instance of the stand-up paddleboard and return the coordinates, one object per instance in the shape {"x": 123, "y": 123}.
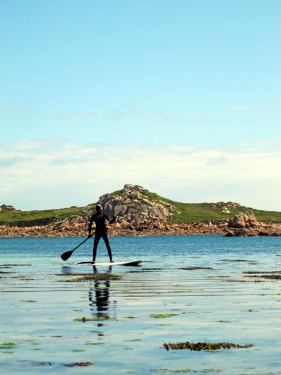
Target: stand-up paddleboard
{"x": 134, "y": 262}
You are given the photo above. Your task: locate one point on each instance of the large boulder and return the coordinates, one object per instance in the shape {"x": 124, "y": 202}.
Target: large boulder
{"x": 244, "y": 220}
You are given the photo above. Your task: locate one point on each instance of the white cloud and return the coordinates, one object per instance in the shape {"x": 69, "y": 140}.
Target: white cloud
{"x": 47, "y": 174}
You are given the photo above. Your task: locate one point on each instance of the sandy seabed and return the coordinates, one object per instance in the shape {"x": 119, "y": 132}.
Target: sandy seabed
{"x": 65, "y": 318}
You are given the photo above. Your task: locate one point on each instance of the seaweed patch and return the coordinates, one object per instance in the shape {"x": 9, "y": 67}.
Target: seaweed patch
{"x": 80, "y": 277}
{"x": 274, "y": 275}
{"x": 163, "y": 316}
{"x": 7, "y": 345}
{"x": 79, "y": 364}
{"x": 198, "y": 346}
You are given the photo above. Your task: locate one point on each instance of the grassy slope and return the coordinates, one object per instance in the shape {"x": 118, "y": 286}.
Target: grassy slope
{"x": 12, "y": 217}
{"x": 199, "y": 212}
{"x": 186, "y": 212}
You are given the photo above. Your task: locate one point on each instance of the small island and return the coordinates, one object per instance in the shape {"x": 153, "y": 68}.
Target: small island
{"x": 140, "y": 212}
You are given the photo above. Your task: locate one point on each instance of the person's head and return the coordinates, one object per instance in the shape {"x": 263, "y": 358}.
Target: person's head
{"x": 99, "y": 208}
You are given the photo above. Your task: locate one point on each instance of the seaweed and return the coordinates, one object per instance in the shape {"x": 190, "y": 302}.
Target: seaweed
{"x": 7, "y": 345}
{"x": 79, "y": 364}
{"x": 198, "y": 346}
{"x": 270, "y": 277}
{"x": 80, "y": 277}
{"x": 162, "y": 316}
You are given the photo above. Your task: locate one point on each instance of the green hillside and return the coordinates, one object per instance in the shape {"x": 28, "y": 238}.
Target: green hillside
{"x": 200, "y": 212}
{"x": 40, "y": 217}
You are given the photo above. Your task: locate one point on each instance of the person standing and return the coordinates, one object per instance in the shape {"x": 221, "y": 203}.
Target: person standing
{"x": 100, "y": 220}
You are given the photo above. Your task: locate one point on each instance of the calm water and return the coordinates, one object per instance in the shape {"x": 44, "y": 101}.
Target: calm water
{"x": 202, "y": 282}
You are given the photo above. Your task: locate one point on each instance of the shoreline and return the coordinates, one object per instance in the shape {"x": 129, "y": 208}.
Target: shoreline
{"x": 63, "y": 229}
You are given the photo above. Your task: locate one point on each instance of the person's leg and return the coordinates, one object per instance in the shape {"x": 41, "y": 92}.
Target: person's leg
{"x": 96, "y": 242}
{"x": 107, "y": 244}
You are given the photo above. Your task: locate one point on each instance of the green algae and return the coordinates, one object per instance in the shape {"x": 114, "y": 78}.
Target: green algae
{"x": 169, "y": 315}
{"x": 162, "y": 316}
{"x": 7, "y": 345}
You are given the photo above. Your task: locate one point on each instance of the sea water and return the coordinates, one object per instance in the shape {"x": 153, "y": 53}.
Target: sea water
{"x": 59, "y": 317}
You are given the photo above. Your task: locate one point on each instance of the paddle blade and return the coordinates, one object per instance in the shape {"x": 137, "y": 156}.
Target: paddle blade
{"x": 66, "y": 255}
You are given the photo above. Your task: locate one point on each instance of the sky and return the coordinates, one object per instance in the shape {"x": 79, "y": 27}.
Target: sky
{"x": 182, "y": 97}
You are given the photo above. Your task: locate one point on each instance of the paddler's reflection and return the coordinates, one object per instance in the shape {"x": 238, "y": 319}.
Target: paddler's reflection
{"x": 99, "y": 296}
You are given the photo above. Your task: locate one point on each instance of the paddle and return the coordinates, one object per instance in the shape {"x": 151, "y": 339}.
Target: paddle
{"x": 68, "y": 254}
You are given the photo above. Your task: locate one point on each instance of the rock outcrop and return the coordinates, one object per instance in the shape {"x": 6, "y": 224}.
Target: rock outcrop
{"x": 7, "y": 207}
{"x": 244, "y": 220}
{"x": 246, "y": 224}
{"x": 132, "y": 206}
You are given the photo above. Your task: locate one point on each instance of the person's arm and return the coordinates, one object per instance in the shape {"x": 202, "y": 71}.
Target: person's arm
{"x": 110, "y": 220}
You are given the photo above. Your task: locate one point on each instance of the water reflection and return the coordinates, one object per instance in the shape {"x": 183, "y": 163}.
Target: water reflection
{"x": 100, "y": 304}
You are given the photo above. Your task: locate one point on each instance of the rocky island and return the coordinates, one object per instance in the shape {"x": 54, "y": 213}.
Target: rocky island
{"x": 142, "y": 213}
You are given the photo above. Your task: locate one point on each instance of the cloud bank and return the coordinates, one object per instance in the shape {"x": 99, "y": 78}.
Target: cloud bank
{"x": 54, "y": 174}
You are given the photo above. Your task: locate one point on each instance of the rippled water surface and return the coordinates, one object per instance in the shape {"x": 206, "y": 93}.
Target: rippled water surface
{"x": 59, "y": 317}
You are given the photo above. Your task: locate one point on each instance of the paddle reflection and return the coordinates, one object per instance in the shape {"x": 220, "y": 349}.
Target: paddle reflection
{"x": 66, "y": 270}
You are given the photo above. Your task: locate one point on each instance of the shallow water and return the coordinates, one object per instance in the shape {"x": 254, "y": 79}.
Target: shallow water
{"x": 51, "y": 320}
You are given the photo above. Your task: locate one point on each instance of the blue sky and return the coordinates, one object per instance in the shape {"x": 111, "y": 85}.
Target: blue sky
{"x": 179, "y": 96}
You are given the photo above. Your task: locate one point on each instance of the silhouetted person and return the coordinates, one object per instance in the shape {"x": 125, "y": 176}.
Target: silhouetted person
{"x": 100, "y": 220}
